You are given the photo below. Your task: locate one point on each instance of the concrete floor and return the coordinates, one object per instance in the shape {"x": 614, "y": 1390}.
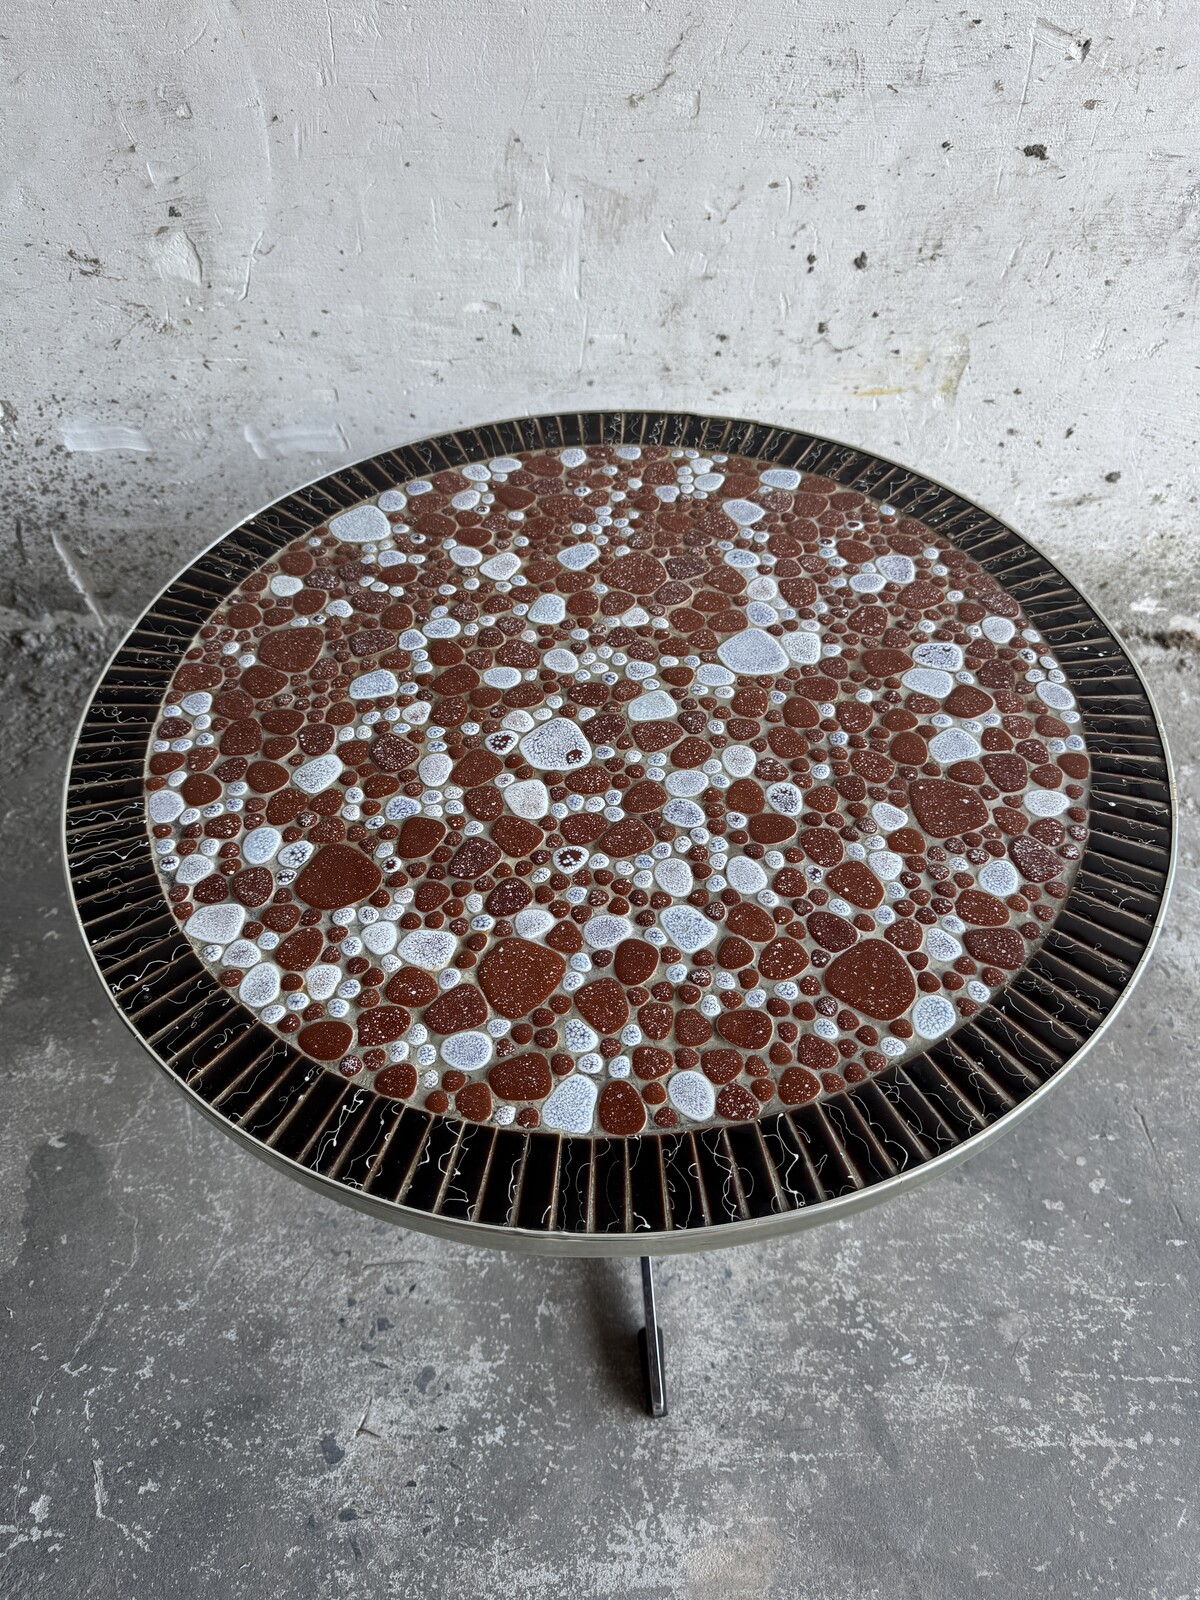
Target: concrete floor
{"x": 215, "y": 1383}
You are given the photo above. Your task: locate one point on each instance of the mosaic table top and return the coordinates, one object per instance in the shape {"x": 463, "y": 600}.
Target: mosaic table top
{"x": 618, "y": 832}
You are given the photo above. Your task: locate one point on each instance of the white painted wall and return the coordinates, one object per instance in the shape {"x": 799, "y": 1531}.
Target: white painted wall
{"x": 250, "y": 240}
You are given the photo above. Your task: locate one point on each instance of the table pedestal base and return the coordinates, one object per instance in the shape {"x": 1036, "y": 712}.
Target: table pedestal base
{"x": 650, "y": 1346}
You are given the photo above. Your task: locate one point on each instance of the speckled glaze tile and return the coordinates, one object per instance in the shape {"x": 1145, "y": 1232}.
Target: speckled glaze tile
{"x": 591, "y": 828}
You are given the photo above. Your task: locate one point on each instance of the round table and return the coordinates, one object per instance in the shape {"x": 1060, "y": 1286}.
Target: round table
{"x": 551, "y": 834}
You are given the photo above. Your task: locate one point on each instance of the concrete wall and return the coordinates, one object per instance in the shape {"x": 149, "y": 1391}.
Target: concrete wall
{"x": 250, "y": 241}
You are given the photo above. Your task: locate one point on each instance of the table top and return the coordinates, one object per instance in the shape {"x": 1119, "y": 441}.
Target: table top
{"x": 616, "y": 833}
